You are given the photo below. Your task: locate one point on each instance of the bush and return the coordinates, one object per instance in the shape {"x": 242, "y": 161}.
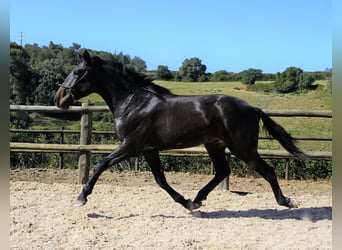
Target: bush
{"x": 221, "y": 76}
{"x": 250, "y": 76}
{"x": 163, "y": 73}
{"x": 298, "y": 170}
{"x": 261, "y": 87}
{"x": 293, "y": 79}
{"x": 285, "y": 87}
{"x": 203, "y": 78}
{"x": 305, "y": 81}
{"x": 319, "y": 169}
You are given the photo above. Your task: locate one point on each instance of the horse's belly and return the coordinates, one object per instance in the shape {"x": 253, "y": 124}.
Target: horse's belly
{"x": 179, "y": 139}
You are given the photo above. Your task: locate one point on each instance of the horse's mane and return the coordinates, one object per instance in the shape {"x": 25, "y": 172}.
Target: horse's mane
{"x": 131, "y": 79}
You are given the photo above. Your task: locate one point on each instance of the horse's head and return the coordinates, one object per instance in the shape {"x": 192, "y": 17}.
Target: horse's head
{"x": 77, "y": 84}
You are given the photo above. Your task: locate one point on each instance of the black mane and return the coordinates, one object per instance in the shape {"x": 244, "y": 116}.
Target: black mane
{"x": 130, "y": 79}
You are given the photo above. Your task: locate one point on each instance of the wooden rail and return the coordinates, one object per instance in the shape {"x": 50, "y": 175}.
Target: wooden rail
{"x": 85, "y": 147}
{"x": 64, "y": 131}
{"x": 97, "y": 148}
{"x": 86, "y": 108}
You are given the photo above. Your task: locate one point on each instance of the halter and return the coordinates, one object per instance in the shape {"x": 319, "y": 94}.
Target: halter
{"x": 61, "y": 85}
{"x": 69, "y": 89}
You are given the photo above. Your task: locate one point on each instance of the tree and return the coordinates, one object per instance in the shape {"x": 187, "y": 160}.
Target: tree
{"x": 69, "y": 57}
{"x": 137, "y": 64}
{"x": 21, "y": 85}
{"x": 287, "y": 81}
{"x": 51, "y": 73}
{"x": 164, "y": 73}
{"x": 220, "y": 76}
{"x": 22, "y": 82}
{"x": 305, "y": 80}
{"x": 204, "y": 77}
{"x": 250, "y": 76}
{"x": 293, "y": 79}
{"x": 191, "y": 69}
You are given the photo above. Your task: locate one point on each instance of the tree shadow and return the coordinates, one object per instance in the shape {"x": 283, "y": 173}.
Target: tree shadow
{"x": 313, "y": 214}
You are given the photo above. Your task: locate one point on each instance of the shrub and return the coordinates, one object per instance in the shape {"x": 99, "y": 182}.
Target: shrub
{"x": 250, "y": 76}
{"x": 293, "y": 79}
{"x": 261, "y": 87}
{"x": 305, "y": 81}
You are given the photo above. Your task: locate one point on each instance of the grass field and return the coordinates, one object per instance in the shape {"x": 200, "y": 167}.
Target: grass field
{"x": 311, "y": 100}
{"x": 319, "y": 99}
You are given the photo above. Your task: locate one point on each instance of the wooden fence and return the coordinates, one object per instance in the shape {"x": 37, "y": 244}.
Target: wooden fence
{"x": 85, "y": 147}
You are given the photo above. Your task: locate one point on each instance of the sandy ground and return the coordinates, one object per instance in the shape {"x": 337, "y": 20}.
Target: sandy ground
{"x": 129, "y": 211}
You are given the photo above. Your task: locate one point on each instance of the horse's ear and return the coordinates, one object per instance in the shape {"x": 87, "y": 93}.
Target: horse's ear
{"x": 86, "y": 57}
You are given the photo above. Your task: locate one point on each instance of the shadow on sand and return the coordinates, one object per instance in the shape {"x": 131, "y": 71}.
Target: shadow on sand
{"x": 313, "y": 214}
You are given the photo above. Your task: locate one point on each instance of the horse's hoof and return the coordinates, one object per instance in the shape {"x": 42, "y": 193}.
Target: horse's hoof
{"x": 292, "y": 204}
{"x": 189, "y": 204}
{"x": 192, "y": 205}
{"x": 80, "y": 203}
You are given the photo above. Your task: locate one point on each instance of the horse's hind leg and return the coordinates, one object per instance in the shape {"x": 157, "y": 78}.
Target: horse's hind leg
{"x": 153, "y": 160}
{"x": 268, "y": 173}
{"x": 222, "y": 170}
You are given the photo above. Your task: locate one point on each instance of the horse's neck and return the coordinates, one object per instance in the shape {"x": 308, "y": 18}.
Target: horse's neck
{"x": 116, "y": 94}
{"x": 113, "y": 97}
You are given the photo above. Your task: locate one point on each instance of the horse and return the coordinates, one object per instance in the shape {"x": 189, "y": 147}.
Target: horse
{"x": 149, "y": 118}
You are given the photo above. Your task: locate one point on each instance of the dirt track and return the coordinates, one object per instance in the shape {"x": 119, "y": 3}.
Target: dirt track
{"x": 128, "y": 211}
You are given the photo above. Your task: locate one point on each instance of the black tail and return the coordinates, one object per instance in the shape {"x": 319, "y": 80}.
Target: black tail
{"x": 279, "y": 133}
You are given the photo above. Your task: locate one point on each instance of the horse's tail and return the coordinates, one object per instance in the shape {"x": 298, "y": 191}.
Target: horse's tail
{"x": 280, "y": 134}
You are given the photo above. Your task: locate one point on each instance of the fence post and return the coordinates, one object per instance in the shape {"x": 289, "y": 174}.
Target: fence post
{"x": 224, "y": 184}
{"x": 61, "y": 155}
{"x": 85, "y": 138}
{"x": 287, "y": 170}
{"x": 136, "y": 163}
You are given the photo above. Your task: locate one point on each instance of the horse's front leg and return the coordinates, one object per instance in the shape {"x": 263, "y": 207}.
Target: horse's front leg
{"x": 121, "y": 153}
{"x": 153, "y": 160}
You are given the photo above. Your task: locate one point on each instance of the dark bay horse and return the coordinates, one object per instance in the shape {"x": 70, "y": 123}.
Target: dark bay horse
{"x": 149, "y": 118}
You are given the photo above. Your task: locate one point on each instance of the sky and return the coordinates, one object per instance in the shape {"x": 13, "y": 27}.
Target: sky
{"x": 231, "y": 35}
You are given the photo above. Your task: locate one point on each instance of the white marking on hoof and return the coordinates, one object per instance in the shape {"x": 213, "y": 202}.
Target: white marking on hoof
{"x": 79, "y": 203}
{"x": 292, "y": 204}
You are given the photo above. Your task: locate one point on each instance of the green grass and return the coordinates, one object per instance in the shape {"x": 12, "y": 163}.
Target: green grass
{"x": 311, "y": 100}
{"x": 319, "y": 99}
